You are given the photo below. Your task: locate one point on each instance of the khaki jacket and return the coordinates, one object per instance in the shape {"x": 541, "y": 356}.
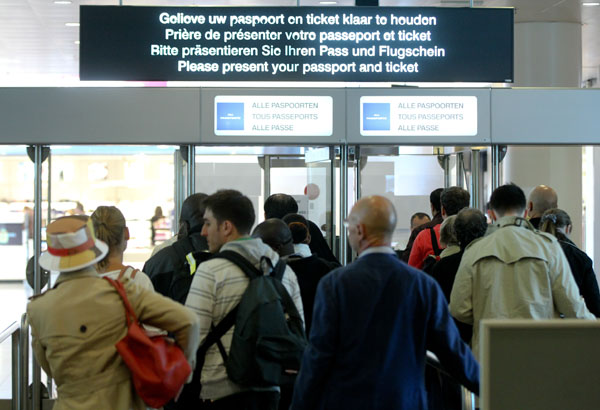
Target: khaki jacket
{"x": 75, "y": 327}
{"x": 514, "y": 272}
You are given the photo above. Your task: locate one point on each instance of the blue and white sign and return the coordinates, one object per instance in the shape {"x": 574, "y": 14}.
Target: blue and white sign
{"x": 230, "y": 116}
{"x": 376, "y": 116}
{"x": 275, "y": 115}
{"x": 418, "y": 116}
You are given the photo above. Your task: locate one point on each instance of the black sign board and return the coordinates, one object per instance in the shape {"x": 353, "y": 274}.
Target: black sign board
{"x": 352, "y": 44}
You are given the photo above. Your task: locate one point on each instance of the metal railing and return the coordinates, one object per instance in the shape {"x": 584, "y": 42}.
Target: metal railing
{"x": 19, "y": 334}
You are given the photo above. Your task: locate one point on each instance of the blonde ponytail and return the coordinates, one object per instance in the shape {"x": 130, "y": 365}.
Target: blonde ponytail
{"x": 109, "y": 224}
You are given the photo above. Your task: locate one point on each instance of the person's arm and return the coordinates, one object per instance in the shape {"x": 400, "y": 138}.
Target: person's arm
{"x": 39, "y": 352}
{"x": 461, "y": 297}
{"x": 320, "y": 353}
{"x": 161, "y": 312}
{"x": 290, "y": 282}
{"x": 564, "y": 289}
{"x": 444, "y": 340}
{"x": 417, "y": 253}
{"x": 443, "y": 278}
{"x": 409, "y": 245}
{"x": 589, "y": 290}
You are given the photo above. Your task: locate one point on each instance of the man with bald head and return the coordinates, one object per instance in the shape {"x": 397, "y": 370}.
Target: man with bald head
{"x": 372, "y": 323}
{"x": 540, "y": 200}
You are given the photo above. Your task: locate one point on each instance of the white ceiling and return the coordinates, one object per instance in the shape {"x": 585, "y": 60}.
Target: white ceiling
{"x": 37, "y": 48}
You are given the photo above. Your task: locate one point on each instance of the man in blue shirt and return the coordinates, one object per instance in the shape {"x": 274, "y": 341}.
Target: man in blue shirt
{"x": 373, "y": 322}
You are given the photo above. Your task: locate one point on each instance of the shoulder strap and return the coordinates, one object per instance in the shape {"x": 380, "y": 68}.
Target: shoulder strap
{"x": 214, "y": 336}
{"x": 124, "y": 270}
{"x": 244, "y": 264}
{"x": 279, "y": 269}
{"x": 434, "y": 243}
{"x": 122, "y": 273}
{"x": 129, "y": 313}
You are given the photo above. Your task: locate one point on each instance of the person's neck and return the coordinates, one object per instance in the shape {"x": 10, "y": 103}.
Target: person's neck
{"x": 115, "y": 262}
{"x": 235, "y": 237}
{"x": 373, "y": 243}
{"x": 513, "y": 214}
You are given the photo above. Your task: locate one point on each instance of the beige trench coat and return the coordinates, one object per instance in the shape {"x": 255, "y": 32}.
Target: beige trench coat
{"x": 74, "y": 329}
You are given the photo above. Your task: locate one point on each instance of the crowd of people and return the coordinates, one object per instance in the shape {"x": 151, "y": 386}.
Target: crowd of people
{"x": 367, "y": 325}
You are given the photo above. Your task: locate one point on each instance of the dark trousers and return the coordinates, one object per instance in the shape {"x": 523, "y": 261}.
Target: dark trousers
{"x": 250, "y": 400}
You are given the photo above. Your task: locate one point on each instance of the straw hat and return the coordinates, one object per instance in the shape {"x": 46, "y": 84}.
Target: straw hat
{"x": 72, "y": 245}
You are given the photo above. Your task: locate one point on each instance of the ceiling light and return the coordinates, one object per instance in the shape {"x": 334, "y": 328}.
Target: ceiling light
{"x": 72, "y": 24}
{"x": 62, "y": 2}
{"x": 77, "y": 42}
{"x": 327, "y": 2}
{"x": 591, "y": 4}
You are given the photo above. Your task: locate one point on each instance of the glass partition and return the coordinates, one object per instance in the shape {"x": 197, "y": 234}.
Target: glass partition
{"x": 139, "y": 180}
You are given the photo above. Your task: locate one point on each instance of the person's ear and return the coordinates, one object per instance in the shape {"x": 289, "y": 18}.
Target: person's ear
{"x": 361, "y": 231}
{"x": 568, "y": 229}
{"x": 529, "y": 207}
{"x": 444, "y": 212}
{"x": 126, "y": 233}
{"x": 493, "y": 215}
{"x": 226, "y": 227}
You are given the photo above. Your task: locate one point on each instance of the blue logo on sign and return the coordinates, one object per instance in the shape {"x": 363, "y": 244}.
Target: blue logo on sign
{"x": 376, "y": 116}
{"x": 230, "y": 116}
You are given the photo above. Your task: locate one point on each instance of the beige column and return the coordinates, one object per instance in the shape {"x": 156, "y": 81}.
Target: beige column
{"x": 548, "y": 54}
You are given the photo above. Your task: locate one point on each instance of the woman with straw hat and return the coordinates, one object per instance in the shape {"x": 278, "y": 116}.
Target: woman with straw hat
{"x": 76, "y": 324}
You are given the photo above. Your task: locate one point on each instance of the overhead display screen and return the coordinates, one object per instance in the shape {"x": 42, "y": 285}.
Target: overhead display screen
{"x": 350, "y": 44}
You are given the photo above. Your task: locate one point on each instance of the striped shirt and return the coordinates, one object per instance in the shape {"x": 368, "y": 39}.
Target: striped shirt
{"x": 216, "y": 289}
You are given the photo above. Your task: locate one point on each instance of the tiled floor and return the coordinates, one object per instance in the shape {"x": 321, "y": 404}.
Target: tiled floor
{"x": 13, "y": 299}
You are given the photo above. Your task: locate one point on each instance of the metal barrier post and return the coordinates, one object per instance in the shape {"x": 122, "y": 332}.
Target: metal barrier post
{"x": 475, "y": 169}
{"x": 267, "y": 176}
{"x": 331, "y": 222}
{"x": 37, "y": 288}
{"x": 24, "y": 363}
{"x": 495, "y": 166}
{"x": 16, "y": 370}
{"x": 460, "y": 170}
{"x": 191, "y": 170}
{"x": 343, "y": 203}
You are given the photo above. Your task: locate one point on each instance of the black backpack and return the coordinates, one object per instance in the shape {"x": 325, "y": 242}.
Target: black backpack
{"x": 431, "y": 260}
{"x": 268, "y": 339}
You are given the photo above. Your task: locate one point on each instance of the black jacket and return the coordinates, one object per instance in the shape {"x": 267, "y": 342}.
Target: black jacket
{"x": 583, "y": 272}
{"x": 309, "y": 272}
{"x": 444, "y": 272}
{"x": 165, "y": 259}
{"x": 318, "y": 244}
